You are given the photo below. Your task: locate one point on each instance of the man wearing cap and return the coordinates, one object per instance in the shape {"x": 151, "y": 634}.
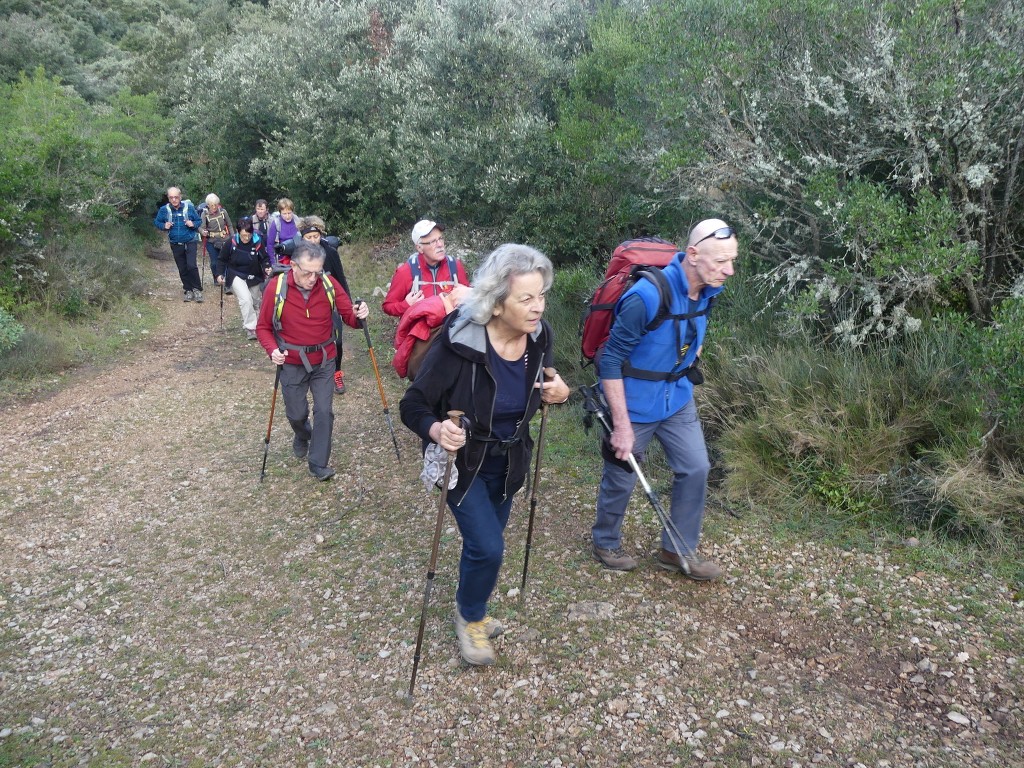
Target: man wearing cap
{"x": 428, "y": 272}
{"x": 647, "y": 376}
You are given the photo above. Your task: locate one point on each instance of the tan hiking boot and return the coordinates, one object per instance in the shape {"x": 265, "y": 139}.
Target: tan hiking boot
{"x": 615, "y": 559}
{"x": 474, "y": 644}
{"x": 694, "y": 567}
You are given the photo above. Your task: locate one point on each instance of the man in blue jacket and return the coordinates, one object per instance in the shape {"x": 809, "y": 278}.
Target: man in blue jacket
{"x": 647, "y": 377}
{"x": 180, "y": 220}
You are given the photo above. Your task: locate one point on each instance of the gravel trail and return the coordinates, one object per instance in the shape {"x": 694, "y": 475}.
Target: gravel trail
{"x": 158, "y": 606}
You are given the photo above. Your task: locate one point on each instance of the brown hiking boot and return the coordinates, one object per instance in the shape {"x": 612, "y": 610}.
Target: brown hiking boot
{"x": 615, "y": 559}
{"x": 694, "y": 567}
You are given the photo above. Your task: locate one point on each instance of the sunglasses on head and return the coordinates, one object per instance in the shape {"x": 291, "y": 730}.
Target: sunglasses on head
{"x": 723, "y": 233}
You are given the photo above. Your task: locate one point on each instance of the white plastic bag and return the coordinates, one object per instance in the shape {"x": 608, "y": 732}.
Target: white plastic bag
{"x": 434, "y": 460}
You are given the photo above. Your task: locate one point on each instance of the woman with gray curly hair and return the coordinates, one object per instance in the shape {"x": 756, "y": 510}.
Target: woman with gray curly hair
{"x": 492, "y": 360}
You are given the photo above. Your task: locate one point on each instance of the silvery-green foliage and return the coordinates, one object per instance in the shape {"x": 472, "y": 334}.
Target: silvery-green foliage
{"x": 478, "y": 79}
{"x": 335, "y": 147}
{"x": 378, "y": 112}
{"x": 292, "y": 103}
{"x": 908, "y": 120}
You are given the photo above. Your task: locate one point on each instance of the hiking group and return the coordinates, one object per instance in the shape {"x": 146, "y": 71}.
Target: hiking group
{"x": 479, "y": 356}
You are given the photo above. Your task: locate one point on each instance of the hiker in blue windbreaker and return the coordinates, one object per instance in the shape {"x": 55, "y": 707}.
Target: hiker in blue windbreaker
{"x": 180, "y": 220}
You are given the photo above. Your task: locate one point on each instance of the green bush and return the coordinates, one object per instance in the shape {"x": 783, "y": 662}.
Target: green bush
{"x": 999, "y": 359}
{"x": 567, "y": 302}
{"x": 10, "y": 330}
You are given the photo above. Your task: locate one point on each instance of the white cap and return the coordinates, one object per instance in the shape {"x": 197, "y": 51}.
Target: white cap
{"x": 422, "y": 229}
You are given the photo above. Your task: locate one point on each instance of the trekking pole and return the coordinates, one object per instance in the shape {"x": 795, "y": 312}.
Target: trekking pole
{"x": 380, "y": 384}
{"x": 222, "y": 307}
{"x": 202, "y": 271}
{"x": 455, "y": 416}
{"x": 549, "y": 373}
{"x": 270, "y": 424}
{"x": 592, "y": 403}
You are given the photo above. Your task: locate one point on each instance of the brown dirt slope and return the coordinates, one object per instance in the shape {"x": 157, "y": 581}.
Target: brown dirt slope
{"x": 159, "y": 606}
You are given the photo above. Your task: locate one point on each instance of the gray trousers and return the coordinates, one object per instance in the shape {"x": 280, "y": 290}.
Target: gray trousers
{"x": 295, "y": 383}
{"x": 683, "y": 440}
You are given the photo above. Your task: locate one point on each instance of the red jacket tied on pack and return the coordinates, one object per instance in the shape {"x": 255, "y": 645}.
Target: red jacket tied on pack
{"x": 304, "y": 322}
{"x": 416, "y": 325}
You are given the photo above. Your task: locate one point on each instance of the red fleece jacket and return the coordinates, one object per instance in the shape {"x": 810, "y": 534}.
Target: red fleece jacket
{"x": 401, "y": 283}
{"x": 304, "y": 322}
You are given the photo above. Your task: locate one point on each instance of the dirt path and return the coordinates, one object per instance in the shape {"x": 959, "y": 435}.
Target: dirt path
{"x": 159, "y": 606}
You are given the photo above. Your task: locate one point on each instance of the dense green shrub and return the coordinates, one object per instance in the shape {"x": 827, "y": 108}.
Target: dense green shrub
{"x": 869, "y": 154}
{"x": 999, "y": 358}
{"x": 884, "y": 435}
{"x": 66, "y": 167}
{"x": 10, "y": 330}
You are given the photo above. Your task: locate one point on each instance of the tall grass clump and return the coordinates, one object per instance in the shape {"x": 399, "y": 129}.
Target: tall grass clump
{"x": 889, "y": 437}
{"x": 566, "y": 305}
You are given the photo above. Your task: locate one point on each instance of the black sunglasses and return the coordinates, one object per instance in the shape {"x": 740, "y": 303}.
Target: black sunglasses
{"x": 723, "y": 233}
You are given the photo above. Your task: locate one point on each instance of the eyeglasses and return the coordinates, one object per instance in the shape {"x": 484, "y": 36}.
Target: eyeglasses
{"x": 174, "y": 197}
{"x": 724, "y": 233}
{"x": 305, "y": 272}
{"x": 438, "y": 239}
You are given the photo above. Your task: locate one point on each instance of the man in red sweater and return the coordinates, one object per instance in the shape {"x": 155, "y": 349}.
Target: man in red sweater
{"x": 296, "y": 326}
{"x": 428, "y": 272}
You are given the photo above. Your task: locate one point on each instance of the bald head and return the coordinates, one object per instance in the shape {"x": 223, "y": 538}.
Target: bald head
{"x": 710, "y": 254}
{"x": 704, "y": 230}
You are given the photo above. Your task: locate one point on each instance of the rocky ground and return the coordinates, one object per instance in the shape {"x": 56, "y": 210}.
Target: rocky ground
{"x": 159, "y": 606}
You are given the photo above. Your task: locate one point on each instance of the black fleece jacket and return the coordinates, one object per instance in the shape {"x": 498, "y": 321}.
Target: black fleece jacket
{"x": 455, "y": 376}
{"x": 244, "y": 260}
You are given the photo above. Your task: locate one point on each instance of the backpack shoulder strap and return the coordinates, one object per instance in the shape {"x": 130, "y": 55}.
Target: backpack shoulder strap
{"x": 660, "y": 282}
{"x": 329, "y": 289}
{"x": 336, "y": 321}
{"x": 414, "y": 266}
{"x": 280, "y": 292}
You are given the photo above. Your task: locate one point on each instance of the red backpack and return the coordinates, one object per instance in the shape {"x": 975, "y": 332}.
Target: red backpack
{"x": 631, "y": 261}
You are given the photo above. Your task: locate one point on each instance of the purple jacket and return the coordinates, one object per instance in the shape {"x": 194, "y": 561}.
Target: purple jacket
{"x": 280, "y": 231}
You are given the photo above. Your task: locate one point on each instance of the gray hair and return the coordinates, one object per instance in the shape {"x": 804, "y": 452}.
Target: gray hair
{"x": 305, "y": 250}
{"x": 212, "y": 198}
{"x": 493, "y": 278}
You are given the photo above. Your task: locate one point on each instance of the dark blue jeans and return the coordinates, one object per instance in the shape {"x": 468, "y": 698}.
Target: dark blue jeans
{"x": 213, "y": 251}
{"x": 481, "y": 517}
